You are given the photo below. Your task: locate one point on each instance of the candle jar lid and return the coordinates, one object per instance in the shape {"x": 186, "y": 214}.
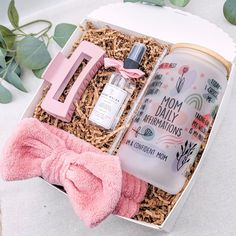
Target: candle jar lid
{"x": 206, "y": 51}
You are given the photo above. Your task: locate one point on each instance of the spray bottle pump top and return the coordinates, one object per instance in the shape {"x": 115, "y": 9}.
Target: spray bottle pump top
{"x": 135, "y": 56}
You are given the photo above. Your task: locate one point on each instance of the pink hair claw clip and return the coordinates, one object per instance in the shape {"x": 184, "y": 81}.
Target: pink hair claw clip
{"x": 59, "y": 73}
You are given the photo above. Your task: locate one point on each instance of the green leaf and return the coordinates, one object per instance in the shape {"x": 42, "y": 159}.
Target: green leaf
{"x": 180, "y": 3}
{"x": 4, "y": 51}
{"x": 7, "y": 36}
{"x": 13, "y": 66}
{"x": 5, "y": 95}
{"x": 13, "y": 14}
{"x": 2, "y": 58}
{"x": 62, "y": 33}
{"x": 12, "y": 74}
{"x": 15, "y": 80}
{"x": 32, "y": 53}
{"x": 153, "y": 2}
{"x": 38, "y": 73}
{"x": 2, "y": 42}
{"x": 230, "y": 11}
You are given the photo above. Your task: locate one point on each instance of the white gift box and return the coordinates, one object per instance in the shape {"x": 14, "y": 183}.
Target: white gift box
{"x": 165, "y": 25}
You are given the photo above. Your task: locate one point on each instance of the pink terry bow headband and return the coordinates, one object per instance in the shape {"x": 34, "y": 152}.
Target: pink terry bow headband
{"x": 93, "y": 180}
{"x": 119, "y": 65}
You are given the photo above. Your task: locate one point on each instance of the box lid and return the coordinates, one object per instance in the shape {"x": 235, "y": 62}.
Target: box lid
{"x": 167, "y": 24}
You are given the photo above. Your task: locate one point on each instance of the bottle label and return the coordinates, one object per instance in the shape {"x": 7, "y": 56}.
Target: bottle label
{"x": 108, "y": 106}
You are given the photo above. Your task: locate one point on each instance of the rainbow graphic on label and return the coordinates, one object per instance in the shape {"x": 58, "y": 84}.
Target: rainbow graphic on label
{"x": 195, "y": 100}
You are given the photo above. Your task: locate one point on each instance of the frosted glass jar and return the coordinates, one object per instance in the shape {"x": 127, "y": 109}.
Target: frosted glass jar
{"x": 177, "y": 110}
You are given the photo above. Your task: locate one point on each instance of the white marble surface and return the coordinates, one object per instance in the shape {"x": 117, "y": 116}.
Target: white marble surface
{"x": 32, "y": 207}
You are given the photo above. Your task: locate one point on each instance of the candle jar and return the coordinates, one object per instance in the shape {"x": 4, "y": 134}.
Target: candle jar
{"x": 175, "y": 114}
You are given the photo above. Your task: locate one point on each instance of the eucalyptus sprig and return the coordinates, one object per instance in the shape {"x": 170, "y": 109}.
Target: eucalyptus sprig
{"x": 19, "y": 48}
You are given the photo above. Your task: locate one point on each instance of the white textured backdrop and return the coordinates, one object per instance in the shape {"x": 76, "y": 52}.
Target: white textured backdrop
{"x": 33, "y": 208}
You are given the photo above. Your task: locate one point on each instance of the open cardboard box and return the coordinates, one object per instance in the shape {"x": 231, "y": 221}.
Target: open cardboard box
{"x": 165, "y": 25}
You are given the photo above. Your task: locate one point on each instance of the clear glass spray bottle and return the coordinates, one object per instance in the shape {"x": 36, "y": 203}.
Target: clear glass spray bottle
{"x": 116, "y": 93}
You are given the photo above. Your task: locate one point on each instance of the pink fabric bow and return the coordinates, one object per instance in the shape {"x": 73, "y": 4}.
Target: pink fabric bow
{"x": 119, "y": 65}
{"x": 92, "y": 179}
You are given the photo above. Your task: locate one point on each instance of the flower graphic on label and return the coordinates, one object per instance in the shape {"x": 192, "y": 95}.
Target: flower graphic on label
{"x": 188, "y": 83}
{"x": 183, "y": 156}
{"x": 180, "y": 82}
{"x": 147, "y": 132}
{"x": 183, "y": 70}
